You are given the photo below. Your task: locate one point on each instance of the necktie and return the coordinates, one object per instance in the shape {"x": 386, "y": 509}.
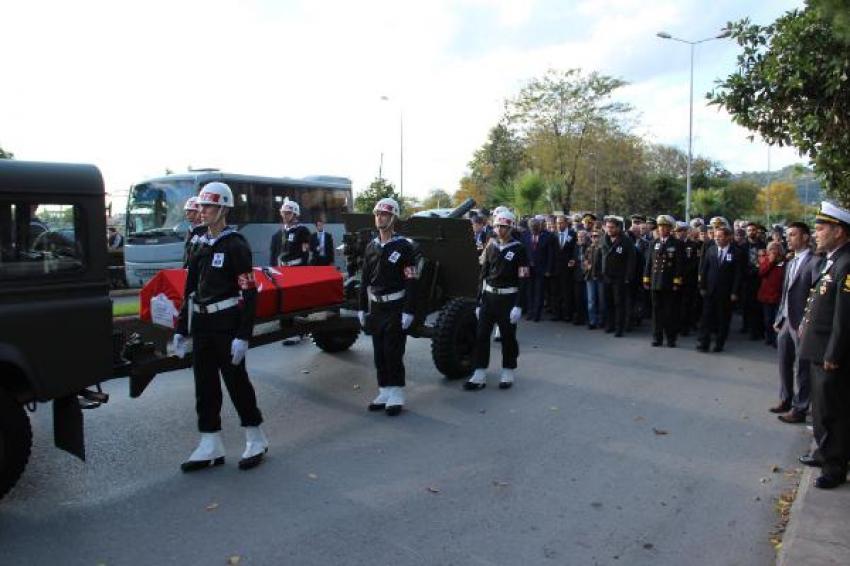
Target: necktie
{"x": 563, "y": 237}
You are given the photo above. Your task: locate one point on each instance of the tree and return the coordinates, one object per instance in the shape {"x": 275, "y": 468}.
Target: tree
{"x": 378, "y": 189}
{"x": 779, "y": 201}
{"x": 707, "y": 202}
{"x": 559, "y": 112}
{"x": 437, "y": 198}
{"x": 470, "y": 189}
{"x": 499, "y": 160}
{"x": 666, "y": 196}
{"x": 6, "y": 154}
{"x": 529, "y": 190}
{"x": 739, "y": 199}
{"x": 791, "y": 86}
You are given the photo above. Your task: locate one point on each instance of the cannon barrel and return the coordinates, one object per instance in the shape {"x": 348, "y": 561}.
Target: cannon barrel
{"x": 463, "y": 208}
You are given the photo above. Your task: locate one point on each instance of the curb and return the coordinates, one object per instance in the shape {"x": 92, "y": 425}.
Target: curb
{"x": 784, "y": 558}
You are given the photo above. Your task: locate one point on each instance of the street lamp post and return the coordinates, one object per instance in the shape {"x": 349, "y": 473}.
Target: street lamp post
{"x": 665, "y": 35}
{"x": 400, "y": 147}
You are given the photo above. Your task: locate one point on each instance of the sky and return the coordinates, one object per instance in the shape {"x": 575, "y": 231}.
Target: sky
{"x": 296, "y": 88}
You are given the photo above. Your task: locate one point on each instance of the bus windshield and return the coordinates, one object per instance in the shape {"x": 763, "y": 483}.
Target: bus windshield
{"x": 156, "y": 207}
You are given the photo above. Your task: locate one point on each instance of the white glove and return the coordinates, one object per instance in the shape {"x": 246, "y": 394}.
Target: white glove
{"x": 478, "y": 312}
{"x": 178, "y": 345}
{"x": 238, "y": 349}
{"x": 406, "y": 320}
{"x": 516, "y": 314}
{"x": 361, "y": 316}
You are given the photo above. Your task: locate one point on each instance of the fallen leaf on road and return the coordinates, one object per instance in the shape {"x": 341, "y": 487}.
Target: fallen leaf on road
{"x": 356, "y": 386}
{"x": 312, "y": 476}
{"x": 648, "y": 546}
{"x": 305, "y": 371}
{"x": 775, "y": 469}
{"x": 212, "y": 506}
{"x": 639, "y": 418}
{"x": 553, "y": 408}
{"x": 433, "y": 489}
{"x": 764, "y": 480}
{"x": 499, "y": 483}
{"x": 482, "y": 411}
{"x": 659, "y": 431}
{"x": 234, "y": 560}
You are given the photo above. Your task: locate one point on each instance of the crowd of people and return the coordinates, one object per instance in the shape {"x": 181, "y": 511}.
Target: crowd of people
{"x": 792, "y": 291}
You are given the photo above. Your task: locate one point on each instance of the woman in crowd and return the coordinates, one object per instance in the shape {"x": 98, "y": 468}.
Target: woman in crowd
{"x": 771, "y": 275}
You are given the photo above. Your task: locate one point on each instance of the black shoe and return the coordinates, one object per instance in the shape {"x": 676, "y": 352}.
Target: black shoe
{"x": 702, "y": 348}
{"x": 591, "y": 327}
{"x": 394, "y": 410}
{"x": 809, "y": 460}
{"x": 505, "y": 384}
{"x": 686, "y": 333}
{"x": 793, "y": 417}
{"x": 195, "y": 465}
{"x": 609, "y": 330}
{"x": 556, "y": 318}
{"x": 671, "y": 343}
{"x": 618, "y": 334}
{"x": 470, "y": 386}
{"x": 578, "y": 322}
{"x": 376, "y": 406}
{"x": 829, "y": 482}
{"x": 780, "y": 408}
{"x": 252, "y": 461}
{"x": 718, "y": 348}
{"x": 657, "y": 343}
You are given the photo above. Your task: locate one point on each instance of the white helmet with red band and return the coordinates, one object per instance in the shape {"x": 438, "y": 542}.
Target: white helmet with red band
{"x": 386, "y": 205}
{"x": 216, "y": 193}
{"x": 192, "y": 204}
{"x": 505, "y": 218}
{"x": 290, "y": 206}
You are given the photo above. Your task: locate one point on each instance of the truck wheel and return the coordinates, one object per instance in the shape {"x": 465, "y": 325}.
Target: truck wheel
{"x": 453, "y": 344}
{"x": 15, "y": 441}
{"x": 333, "y": 342}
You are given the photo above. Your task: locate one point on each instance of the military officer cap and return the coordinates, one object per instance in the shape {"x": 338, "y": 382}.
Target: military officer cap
{"x": 681, "y": 225}
{"x": 576, "y": 217}
{"x": 637, "y": 218}
{"x": 618, "y": 220}
{"x": 665, "y": 220}
{"x": 718, "y": 221}
{"x": 589, "y": 216}
{"x": 651, "y": 221}
{"x": 697, "y": 223}
{"x": 832, "y": 214}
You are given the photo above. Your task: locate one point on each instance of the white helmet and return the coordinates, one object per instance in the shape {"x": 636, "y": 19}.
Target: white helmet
{"x": 386, "y": 205}
{"x": 216, "y": 193}
{"x": 505, "y": 218}
{"x": 192, "y": 204}
{"x": 500, "y": 209}
{"x": 290, "y": 206}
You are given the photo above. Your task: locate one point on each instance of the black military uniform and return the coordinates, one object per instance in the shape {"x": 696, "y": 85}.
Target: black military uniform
{"x": 504, "y": 277}
{"x": 751, "y": 309}
{"x": 825, "y": 336}
{"x": 663, "y": 274}
{"x": 388, "y": 289}
{"x": 192, "y": 238}
{"x": 690, "y": 314}
{"x": 618, "y": 269}
{"x": 219, "y": 299}
{"x": 291, "y": 246}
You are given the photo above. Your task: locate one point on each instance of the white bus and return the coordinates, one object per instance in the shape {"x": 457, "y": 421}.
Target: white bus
{"x": 156, "y": 226}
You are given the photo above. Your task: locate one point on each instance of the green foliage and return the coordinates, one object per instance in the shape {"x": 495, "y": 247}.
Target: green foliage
{"x": 792, "y": 87}
{"x": 6, "y": 154}
{"x": 378, "y": 189}
{"x": 529, "y": 190}
{"x": 437, "y": 198}
{"x": 503, "y": 194}
{"x": 666, "y": 196}
{"x": 739, "y": 199}
{"x": 707, "y": 202}
{"x": 499, "y": 160}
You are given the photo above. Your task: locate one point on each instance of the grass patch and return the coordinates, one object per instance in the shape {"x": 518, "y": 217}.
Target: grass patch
{"x": 125, "y": 309}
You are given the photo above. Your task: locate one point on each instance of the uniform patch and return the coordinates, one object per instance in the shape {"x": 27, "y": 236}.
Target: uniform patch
{"x": 728, "y": 258}
{"x": 509, "y": 256}
{"x": 305, "y": 247}
{"x": 246, "y": 281}
{"x": 658, "y": 246}
{"x": 218, "y": 260}
{"x": 524, "y": 272}
{"x": 619, "y": 249}
{"x": 394, "y": 257}
{"x": 291, "y": 237}
{"x": 410, "y": 272}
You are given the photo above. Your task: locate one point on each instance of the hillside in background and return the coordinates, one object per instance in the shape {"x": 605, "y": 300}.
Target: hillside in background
{"x": 808, "y": 185}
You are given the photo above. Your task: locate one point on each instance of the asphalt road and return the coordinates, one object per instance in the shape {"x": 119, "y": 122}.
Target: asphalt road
{"x": 607, "y": 451}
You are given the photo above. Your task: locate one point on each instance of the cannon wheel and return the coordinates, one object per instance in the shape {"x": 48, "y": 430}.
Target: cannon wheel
{"x": 453, "y": 343}
{"x": 338, "y": 341}
{"x": 15, "y": 441}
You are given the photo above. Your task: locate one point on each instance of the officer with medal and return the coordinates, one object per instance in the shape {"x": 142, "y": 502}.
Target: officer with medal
{"x": 689, "y": 314}
{"x": 291, "y": 245}
{"x": 218, "y": 312}
{"x": 388, "y": 294}
{"x": 825, "y": 342}
{"x": 196, "y": 228}
{"x": 663, "y": 278}
{"x": 504, "y": 275}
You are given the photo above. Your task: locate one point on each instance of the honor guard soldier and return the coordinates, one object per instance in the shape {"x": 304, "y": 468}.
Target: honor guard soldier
{"x": 218, "y": 311}
{"x": 388, "y": 294}
{"x": 196, "y": 228}
{"x": 825, "y": 342}
{"x": 291, "y": 245}
{"x": 501, "y": 300}
{"x": 663, "y": 278}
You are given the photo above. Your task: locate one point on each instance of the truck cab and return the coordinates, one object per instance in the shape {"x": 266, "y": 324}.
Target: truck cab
{"x": 55, "y": 310}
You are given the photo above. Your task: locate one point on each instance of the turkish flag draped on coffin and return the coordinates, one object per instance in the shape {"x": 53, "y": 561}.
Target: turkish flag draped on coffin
{"x": 279, "y": 289}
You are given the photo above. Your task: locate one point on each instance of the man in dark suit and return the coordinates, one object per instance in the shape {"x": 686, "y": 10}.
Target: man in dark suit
{"x": 720, "y": 275}
{"x": 321, "y": 246}
{"x": 663, "y": 278}
{"x": 795, "y": 291}
{"x": 825, "y": 342}
{"x": 751, "y": 310}
{"x": 538, "y": 245}
{"x": 563, "y": 270}
{"x": 618, "y": 269}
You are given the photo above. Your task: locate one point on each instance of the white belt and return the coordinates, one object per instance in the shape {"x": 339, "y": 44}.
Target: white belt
{"x": 291, "y": 262}
{"x": 215, "y": 307}
{"x": 387, "y": 298}
{"x": 500, "y": 291}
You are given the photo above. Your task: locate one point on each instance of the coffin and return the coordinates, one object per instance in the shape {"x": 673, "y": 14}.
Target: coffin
{"x": 280, "y": 290}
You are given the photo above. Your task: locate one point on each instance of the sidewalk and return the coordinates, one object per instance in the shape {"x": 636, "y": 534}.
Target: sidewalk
{"x": 819, "y": 530}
